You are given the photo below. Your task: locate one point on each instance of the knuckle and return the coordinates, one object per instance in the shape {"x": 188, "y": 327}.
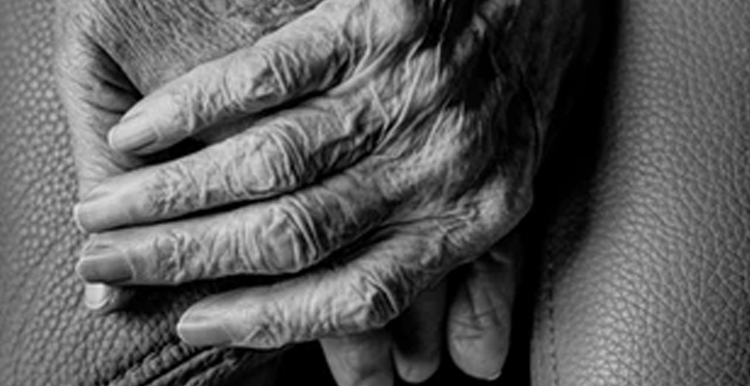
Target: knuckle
{"x": 170, "y": 192}
{"x": 303, "y": 246}
{"x": 284, "y": 240}
{"x": 280, "y": 77}
{"x": 269, "y": 163}
{"x": 184, "y": 105}
{"x": 288, "y": 159}
{"x": 271, "y": 328}
{"x": 156, "y": 201}
{"x": 271, "y": 74}
{"x": 177, "y": 258}
{"x": 377, "y": 304}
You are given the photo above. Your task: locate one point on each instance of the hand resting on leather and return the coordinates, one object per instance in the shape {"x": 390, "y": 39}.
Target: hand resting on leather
{"x": 400, "y": 143}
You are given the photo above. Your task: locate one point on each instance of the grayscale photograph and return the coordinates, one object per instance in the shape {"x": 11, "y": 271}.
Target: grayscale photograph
{"x": 374, "y": 192}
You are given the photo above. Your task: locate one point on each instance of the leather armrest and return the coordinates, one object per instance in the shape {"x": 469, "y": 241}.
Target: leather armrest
{"x": 646, "y": 265}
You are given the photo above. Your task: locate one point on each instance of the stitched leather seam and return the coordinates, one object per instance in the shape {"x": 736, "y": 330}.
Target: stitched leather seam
{"x": 120, "y": 375}
{"x": 147, "y": 360}
{"x": 186, "y": 362}
{"x": 215, "y": 364}
{"x": 165, "y": 373}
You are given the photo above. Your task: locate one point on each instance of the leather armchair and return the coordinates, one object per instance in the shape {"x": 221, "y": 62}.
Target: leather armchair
{"x": 642, "y": 223}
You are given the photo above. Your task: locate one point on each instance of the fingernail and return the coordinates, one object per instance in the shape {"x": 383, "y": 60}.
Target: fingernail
{"x": 131, "y": 135}
{"x": 140, "y": 127}
{"x": 103, "y": 265}
{"x": 90, "y": 216}
{"x": 83, "y": 212}
{"x": 105, "y": 209}
{"x": 77, "y": 218}
{"x": 97, "y": 296}
{"x": 198, "y": 329}
{"x": 103, "y": 299}
{"x": 134, "y": 112}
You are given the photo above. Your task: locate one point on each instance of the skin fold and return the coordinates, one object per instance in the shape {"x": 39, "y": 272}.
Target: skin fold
{"x": 366, "y": 148}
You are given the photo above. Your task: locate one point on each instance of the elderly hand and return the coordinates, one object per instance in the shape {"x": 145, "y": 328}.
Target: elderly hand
{"x": 405, "y": 149}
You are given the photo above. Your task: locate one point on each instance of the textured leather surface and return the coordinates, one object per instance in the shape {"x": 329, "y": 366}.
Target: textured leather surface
{"x": 46, "y": 336}
{"x": 648, "y": 262}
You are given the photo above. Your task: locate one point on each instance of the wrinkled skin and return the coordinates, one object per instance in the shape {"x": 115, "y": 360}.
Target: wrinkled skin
{"x": 405, "y": 151}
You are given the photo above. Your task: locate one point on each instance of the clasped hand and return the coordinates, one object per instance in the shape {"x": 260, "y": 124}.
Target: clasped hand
{"x": 367, "y": 147}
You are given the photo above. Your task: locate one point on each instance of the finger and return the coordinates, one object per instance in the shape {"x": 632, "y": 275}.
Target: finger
{"x": 479, "y": 318}
{"x": 418, "y": 336}
{"x": 306, "y": 55}
{"x": 361, "y": 359}
{"x": 281, "y": 236}
{"x": 376, "y": 284}
{"x": 277, "y": 155}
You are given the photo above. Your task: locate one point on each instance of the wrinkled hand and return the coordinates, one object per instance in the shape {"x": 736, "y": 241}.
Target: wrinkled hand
{"x": 405, "y": 160}
{"x": 410, "y": 135}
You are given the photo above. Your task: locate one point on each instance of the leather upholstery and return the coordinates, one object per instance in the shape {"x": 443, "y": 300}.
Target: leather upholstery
{"x": 647, "y": 263}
